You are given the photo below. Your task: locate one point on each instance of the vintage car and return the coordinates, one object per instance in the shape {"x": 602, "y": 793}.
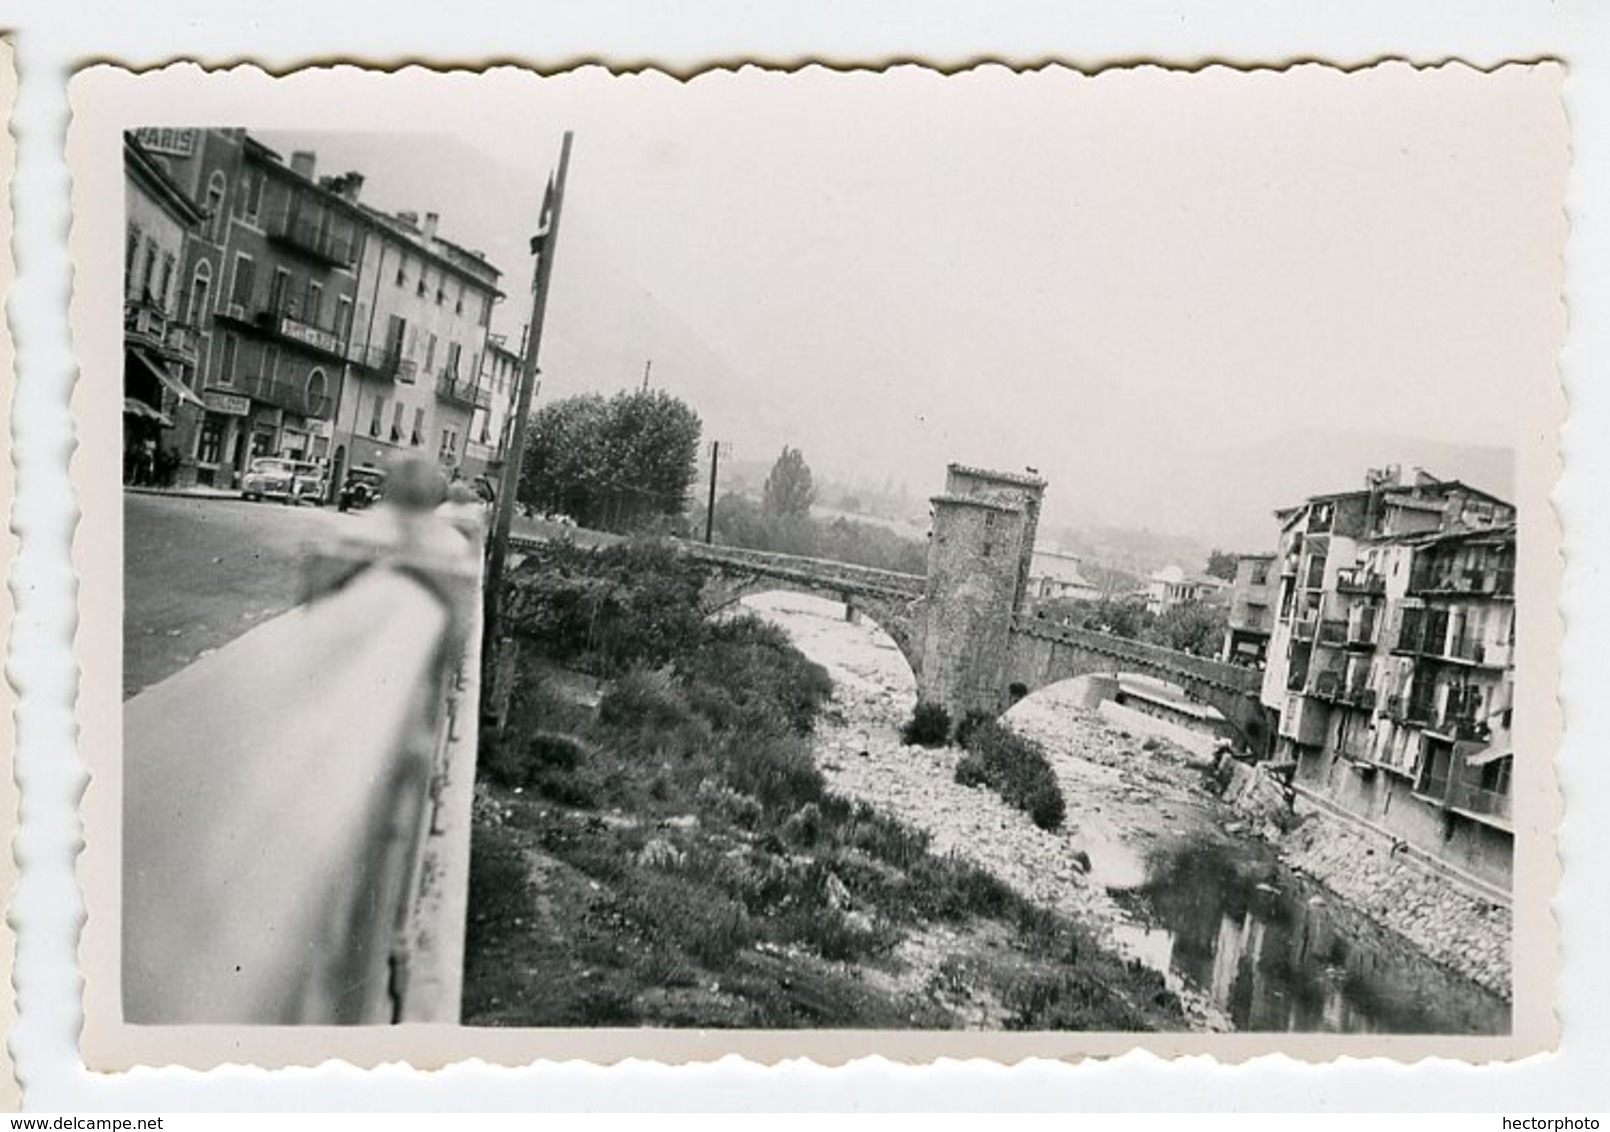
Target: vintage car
{"x": 364, "y": 486}
{"x": 278, "y": 477}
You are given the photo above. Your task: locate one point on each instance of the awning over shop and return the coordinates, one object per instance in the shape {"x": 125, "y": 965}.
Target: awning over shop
{"x": 134, "y": 407}
{"x": 163, "y": 377}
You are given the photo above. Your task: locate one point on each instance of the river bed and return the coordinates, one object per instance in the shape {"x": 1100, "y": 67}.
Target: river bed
{"x": 1174, "y": 880}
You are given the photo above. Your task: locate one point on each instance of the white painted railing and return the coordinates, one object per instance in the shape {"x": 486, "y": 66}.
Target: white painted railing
{"x": 296, "y": 810}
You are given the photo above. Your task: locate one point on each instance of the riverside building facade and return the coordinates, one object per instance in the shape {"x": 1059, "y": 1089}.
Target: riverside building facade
{"x": 1389, "y": 667}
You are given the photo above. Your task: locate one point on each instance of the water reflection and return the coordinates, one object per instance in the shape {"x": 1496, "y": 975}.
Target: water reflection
{"x": 1277, "y": 954}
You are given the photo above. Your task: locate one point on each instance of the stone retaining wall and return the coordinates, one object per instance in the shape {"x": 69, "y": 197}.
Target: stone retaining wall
{"x": 1453, "y": 924}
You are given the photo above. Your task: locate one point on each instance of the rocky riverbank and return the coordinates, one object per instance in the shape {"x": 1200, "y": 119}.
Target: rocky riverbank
{"x": 1132, "y": 801}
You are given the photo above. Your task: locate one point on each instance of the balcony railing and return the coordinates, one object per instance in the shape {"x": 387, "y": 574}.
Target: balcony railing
{"x": 1357, "y": 580}
{"x": 1462, "y": 795}
{"x": 288, "y": 326}
{"x": 377, "y": 360}
{"x": 288, "y": 395}
{"x": 153, "y": 328}
{"x": 1414, "y": 710}
{"x": 1304, "y": 628}
{"x": 455, "y": 390}
{"x": 1491, "y": 581}
{"x": 1332, "y": 632}
{"x": 318, "y": 241}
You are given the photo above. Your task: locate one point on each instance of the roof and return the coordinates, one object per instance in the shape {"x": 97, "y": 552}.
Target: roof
{"x": 1020, "y": 478}
{"x": 163, "y": 188}
{"x": 416, "y": 241}
{"x": 1502, "y": 533}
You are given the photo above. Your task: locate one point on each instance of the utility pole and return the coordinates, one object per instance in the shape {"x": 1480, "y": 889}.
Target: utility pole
{"x": 648, "y": 365}
{"x": 710, "y": 509}
{"x": 543, "y": 245}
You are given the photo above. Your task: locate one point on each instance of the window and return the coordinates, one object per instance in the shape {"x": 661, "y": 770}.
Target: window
{"x": 396, "y": 331}
{"x": 254, "y": 193}
{"x": 271, "y": 363}
{"x": 430, "y": 353}
{"x": 374, "y": 420}
{"x": 396, "y": 421}
{"x": 318, "y": 393}
{"x": 200, "y": 289}
{"x": 486, "y": 310}
{"x": 315, "y": 303}
{"x": 1260, "y": 573}
{"x": 240, "y": 293}
{"x": 449, "y": 445}
{"x": 216, "y": 217}
{"x": 130, "y": 255}
{"x": 165, "y": 280}
{"x": 279, "y": 293}
{"x": 402, "y": 274}
{"x": 210, "y": 439}
{"x": 148, "y": 270}
{"x": 419, "y": 427}
{"x": 343, "y": 317}
{"x": 452, "y": 360}
{"x": 226, "y": 360}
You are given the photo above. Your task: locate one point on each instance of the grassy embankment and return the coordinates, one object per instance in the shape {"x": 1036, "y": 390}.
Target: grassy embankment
{"x": 667, "y": 853}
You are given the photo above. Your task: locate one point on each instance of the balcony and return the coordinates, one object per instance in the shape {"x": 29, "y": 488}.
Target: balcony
{"x": 150, "y": 326}
{"x": 1468, "y": 582}
{"x": 456, "y": 390}
{"x": 1416, "y": 711}
{"x": 1332, "y": 633}
{"x": 1357, "y": 580}
{"x": 1359, "y": 696}
{"x": 1475, "y": 800}
{"x": 1304, "y": 628}
{"x": 1326, "y": 684}
{"x": 316, "y": 241}
{"x": 377, "y": 361}
{"x": 288, "y": 395}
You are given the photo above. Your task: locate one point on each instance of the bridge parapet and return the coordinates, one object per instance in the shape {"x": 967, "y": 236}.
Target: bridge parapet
{"x": 826, "y": 572}
{"x": 1144, "y": 656}
{"x": 296, "y": 804}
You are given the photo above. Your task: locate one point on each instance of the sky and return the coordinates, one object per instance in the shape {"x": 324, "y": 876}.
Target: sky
{"x": 1185, "y": 298}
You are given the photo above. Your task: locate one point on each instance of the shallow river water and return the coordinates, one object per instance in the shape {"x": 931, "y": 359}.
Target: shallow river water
{"x": 1252, "y": 944}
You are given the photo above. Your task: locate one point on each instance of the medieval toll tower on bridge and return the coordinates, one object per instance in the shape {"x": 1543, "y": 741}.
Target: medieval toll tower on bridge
{"x": 981, "y": 547}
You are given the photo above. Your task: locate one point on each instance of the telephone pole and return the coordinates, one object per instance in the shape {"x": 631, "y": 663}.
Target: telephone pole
{"x": 648, "y": 365}
{"x": 710, "y": 509}
{"x": 543, "y": 245}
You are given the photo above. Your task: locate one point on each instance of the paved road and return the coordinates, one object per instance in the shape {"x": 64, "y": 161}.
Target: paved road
{"x": 198, "y": 573}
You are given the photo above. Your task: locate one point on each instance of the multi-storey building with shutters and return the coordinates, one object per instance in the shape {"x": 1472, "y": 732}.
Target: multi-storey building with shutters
{"x": 1390, "y": 662}
{"x": 269, "y": 289}
{"x": 423, "y": 308}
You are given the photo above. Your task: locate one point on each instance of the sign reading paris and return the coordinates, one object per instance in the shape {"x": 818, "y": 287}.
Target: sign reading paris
{"x": 166, "y": 139}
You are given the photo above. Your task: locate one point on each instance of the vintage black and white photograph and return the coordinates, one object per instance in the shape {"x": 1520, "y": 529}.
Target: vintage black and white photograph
{"x": 828, "y": 552}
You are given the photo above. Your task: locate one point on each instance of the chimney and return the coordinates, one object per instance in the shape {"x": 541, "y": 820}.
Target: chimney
{"x": 352, "y": 185}
{"x": 430, "y": 225}
{"x": 302, "y": 163}
{"x": 409, "y": 218}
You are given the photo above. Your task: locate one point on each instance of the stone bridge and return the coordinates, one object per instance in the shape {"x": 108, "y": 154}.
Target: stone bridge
{"x": 962, "y": 627}
{"x": 891, "y": 599}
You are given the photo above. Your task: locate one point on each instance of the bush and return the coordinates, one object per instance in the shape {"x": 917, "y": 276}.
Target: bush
{"x": 746, "y": 675}
{"x": 971, "y": 720}
{"x": 929, "y": 726}
{"x": 1015, "y": 768}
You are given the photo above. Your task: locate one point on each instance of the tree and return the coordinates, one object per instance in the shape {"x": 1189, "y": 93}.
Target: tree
{"x": 621, "y": 464}
{"x": 789, "y": 492}
{"x": 1193, "y": 626}
{"x": 1221, "y": 564}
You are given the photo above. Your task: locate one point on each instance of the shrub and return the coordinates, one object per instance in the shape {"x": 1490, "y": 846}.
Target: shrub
{"x": 1015, "y": 768}
{"x": 777, "y": 770}
{"x": 929, "y": 726}
{"x": 746, "y": 675}
{"x": 968, "y": 722}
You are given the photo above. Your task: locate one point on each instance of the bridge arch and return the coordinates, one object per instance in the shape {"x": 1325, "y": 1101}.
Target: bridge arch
{"x": 725, "y": 587}
{"x": 1040, "y": 653}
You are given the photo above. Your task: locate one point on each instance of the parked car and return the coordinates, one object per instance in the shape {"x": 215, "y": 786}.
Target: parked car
{"x": 278, "y": 477}
{"x": 364, "y": 486}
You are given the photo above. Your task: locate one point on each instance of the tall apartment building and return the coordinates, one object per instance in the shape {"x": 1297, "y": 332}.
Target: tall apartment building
{"x": 1251, "y": 614}
{"x": 423, "y": 308}
{"x": 159, "y": 346}
{"x": 491, "y": 422}
{"x": 1390, "y": 664}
